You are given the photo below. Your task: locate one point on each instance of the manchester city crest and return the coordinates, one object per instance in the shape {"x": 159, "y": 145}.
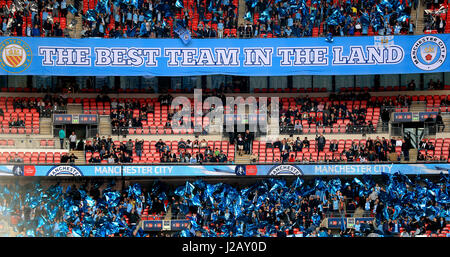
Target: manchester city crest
{"x": 16, "y": 55}
{"x": 428, "y": 53}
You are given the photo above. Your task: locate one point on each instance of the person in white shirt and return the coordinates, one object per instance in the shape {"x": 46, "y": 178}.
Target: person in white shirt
{"x": 111, "y": 159}
{"x": 73, "y": 141}
{"x": 399, "y": 142}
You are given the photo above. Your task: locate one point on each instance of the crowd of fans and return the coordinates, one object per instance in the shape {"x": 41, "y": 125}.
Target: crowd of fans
{"x": 205, "y": 155}
{"x": 373, "y": 150}
{"x": 290, "y": 18}
{"x": 75, "y": 211}
{"x": 46, "y": 106}
{"x": 434, "y": 16}
{"x": 219, "y": 19}
{"x": 425, "y": 148}
{"x": 325, "y": 114}
{"x": 111, "y": 152}
{"x": 133, "y": 114}
{"x": 123, "y": 114}
{"x": 187, "y": 151}
{"x": 33, "y": 18}
{"x": 156, "y": 19}
{"x": 399, "y": 205}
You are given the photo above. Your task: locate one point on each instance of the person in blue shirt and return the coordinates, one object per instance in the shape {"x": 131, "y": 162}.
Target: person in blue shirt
{"x": 101, "y": 30}
{"x": 135, "y": 18}
{"x": 397, "y": 29}
{"x": 131, "y": 32}
{"x": 141, "y": 17}
{"x": 117, "y": 19}
{"x": 44, "y": 15}
{"x": 36, "y": 31}
{"x": 290, "y": 22}
{"x": 63, "y": 7}
{"x": 411, "y": 27}
{"x": 288, "y": 31}
{"x": 4, "y": 25}
{"x": 129, "y": 18}
{"x": 143, "y": 30}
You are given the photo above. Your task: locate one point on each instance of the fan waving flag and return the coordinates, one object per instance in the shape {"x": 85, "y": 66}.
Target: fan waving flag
{"x": 183, "y": 33}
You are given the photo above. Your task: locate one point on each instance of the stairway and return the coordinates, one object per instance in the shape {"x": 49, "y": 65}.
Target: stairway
{"x": 45, "y": 126}
{"x": 74, "y": 31}
{"x": 74, "y": 109}
{"x": 78, "y": 27}
{"x": 241, "y": 159}
{"x": 413, "y": 155}
{"x": 420, "y": 20}
{"x": 241, "y": 12}
{"x": 104, "y": 126}
{"x": 81, "y": 157}
{"x": 417, "y": 107}
{"x": 379, "y": 128}
{"x": 446, "y": 119}
{"x": 168, "y": 215}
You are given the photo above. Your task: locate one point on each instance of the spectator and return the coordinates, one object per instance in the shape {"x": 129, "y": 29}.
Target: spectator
{"x": 73, "y": 141}
{"x": 62, "y": 136}
{"x": 440, "y": 123}
{"x": 65, "y": 158}
{"x": 320, "y": 142}
{"x": 138, "y": 144}
{"x": 72, "y": 158}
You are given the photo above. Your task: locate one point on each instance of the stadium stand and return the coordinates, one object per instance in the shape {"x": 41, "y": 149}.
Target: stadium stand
{"x": 330, "y": 114}
{"x": 140, "y": 151}
{"x": 355, "y": 114}
{"x": 370, "y": 150}
{"x": 303, "y": 215}
{"x": 210, "y": 19}
{"x": 34, "y": 18}
{"x": 42, "y": 157}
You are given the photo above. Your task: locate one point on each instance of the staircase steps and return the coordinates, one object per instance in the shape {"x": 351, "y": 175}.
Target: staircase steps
{"x": 81, "y": 157}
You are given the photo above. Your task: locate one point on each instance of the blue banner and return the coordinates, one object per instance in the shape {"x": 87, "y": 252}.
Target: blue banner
{"x": 351, "y": 169}
{"x": 249, "y": 57}
{"x": 60, "y": 170}
{"x": 157, "y": 225}
{"x": 178, "y": 170}
{"x": 336, "y": 223}
{"x": 75, "y": 119}
{"x": 222, "y": 170}
{"x": 413, "y": 116}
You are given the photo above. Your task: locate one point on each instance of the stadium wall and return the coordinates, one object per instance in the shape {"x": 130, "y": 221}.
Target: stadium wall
{"x": 162, "y": 170}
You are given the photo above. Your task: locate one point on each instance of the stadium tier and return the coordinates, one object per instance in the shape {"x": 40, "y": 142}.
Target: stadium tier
{"x": 223, "y": 19}
{"x": 267, "y": 208}
{"x": 159, "y": 151}
{"x": 146, "y": 120}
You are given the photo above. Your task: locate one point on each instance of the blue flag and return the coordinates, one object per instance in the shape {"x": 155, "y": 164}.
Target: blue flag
{"x": 134, "y": 3}
{"x": 72, "y": 9}
{"x": 179, "y": 4}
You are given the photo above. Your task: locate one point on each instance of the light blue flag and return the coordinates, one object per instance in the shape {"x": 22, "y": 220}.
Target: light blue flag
{"x": 72, "y": 9}
{"x": 248, "y": 17}
{"x": 179, "y": 4}
{"x": 76, "y": 232}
